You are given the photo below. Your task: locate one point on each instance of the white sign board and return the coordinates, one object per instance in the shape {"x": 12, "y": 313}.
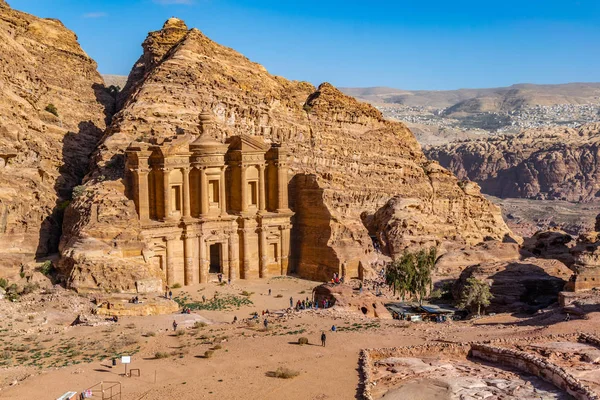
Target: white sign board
{"x": 126, "y": 360}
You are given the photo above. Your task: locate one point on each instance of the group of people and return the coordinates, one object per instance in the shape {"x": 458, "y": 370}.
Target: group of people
{"x": 309, "y": 304}
{"x": 134, "y": 300}
{"x": 336, "y": 280}
{"x": 168, "y": 293}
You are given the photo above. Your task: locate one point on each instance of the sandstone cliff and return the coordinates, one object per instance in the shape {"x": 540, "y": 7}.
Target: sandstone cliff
{"x": 546, "y": 163}
{"x": 44, "y": 149}
{"x": 347, "y": 161}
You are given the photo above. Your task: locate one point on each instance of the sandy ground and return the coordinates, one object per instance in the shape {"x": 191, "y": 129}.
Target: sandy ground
{"x": 242, "y": 367}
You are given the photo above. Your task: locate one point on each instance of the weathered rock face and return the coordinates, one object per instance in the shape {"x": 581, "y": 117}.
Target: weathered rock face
{"x": 546, "y": 163}
{"x": 346, "y": 159}
{"x": 43, "y": 154}
{"x": 524, "y": 285}
{"x": 451, "y": 264}
{"x": 454, "y": 215}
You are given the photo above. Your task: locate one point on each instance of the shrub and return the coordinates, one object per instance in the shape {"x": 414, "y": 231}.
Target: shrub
{"x": 29, "y": 288}
{"x": 199, "y": 324}
{"x": 247, "y": 294}
{"x": 209, "y": 353}
{"x": 176, "y": 285}
{"x": 150, "y": 334}
{"x": 47, "y": 268}
{"x": 302, "y": 341}
{"x": 279, "y": 296}
{"x": 180, "y": 333}
{"x": 51, "y": 108}
{"x": 12, "y": 292}
{"x": 78, "y": 191}
{"x": 161, "y": 354}
{"x": 217, "y": 347}
{"x": 130, "y": 326}
{"x": 3, "y": 283}
{"x": 285, "y": 373}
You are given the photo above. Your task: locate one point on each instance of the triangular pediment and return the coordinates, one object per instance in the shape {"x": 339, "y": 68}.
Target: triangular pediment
{"x": 247, "y": 143}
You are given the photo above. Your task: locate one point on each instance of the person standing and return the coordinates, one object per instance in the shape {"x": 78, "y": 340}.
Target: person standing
{"x": 323, "y": 339}
{"x": 269, "y": 291}
{"x": 170, "y": 295}
{"x": 174, "y": 325}
{"x": 291, "y": 302}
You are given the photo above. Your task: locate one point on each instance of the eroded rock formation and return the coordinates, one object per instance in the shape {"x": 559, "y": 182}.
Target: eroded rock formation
{"x": 53, "y": 111}
{"x": 347, "y": 160}
{"x": 547, "y": 163}
{"x": 525, "y": 285}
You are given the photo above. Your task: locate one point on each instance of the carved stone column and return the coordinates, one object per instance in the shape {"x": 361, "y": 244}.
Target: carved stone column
{"x": 166, "y": 193}
{"x": 244, "y": 189}
{"x": 234, "y": 251}
{"x": 170, "y": 259}
{"x": 188, "y": 249}
{"x": 203, "y": 264}
{"x": 282, "y": 182}
{"x": 246, "y": 250}
{"x": 285, "y": 249}
{"x": 222, "y": 192}
{"x": 203, "y": 192}
{"x": 186, "y": 192}
{"x": 261, "y": 188}
{"x": 142, "y": 193}
{"x": 263, "y": 252}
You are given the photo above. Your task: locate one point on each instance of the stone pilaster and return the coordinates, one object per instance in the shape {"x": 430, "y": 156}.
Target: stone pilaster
{"x": 170, "y": 259}
{"x": 143, "y": 195}
{"x": 203, "y": 192}
{"x": 285, "y": 249}
{"x": 263, "y": 252}
{"x": 261, "y": 188}
{"x": 246, "y": 250}
{"x": 166, "y": 193}
{"x": 234, "y": 251}
{"x": 222, "y": 192}
{"x": 244, "y": 188}
{"x": 186, "y": 192}
{"x": 188, "y": 249}
{"x": 203, "y": 261}
{"x": 282, "y": 182}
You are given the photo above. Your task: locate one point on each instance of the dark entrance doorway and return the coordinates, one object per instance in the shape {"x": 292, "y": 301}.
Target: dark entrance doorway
{"x": 215, "y": 258}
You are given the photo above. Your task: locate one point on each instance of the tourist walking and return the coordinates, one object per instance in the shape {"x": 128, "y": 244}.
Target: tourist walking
{"x": 170, "y": 295}
{"x": 291, "y": 302}
{"x": 174, "y": 325}
{"x": 266, "y": 323}
{"x": 323, "y": 339}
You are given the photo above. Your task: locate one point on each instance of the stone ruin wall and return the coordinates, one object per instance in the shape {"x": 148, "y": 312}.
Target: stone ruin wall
{"x": 537, "y": 366}
{"x": 488, "y": 351}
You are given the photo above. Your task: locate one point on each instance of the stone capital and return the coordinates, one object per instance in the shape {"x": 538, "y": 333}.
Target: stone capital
{"x": 168, "y": 238}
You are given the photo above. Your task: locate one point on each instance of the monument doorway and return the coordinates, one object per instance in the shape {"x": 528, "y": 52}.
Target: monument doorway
{"x": 215, "y": 258}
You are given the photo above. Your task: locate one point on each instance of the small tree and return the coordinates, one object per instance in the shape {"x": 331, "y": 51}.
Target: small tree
{"x": 411, "y": 273}
{"x": 475, "y": 294}
{"x": 51, "y": 108}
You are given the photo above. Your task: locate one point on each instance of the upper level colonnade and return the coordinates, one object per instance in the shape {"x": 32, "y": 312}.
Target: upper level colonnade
{"x": 186, "y": 178}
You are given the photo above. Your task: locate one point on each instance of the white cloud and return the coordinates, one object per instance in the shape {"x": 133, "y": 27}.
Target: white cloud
{"x": 169, "y": 2}
{"x": 97, "y": 14}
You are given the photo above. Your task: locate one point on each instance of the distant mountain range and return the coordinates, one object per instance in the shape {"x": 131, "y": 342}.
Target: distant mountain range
{"x": 482, "y": 100}
{"x": 438, "y": 117}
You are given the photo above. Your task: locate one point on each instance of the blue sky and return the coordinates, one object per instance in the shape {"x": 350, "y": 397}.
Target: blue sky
{"x": 436, "y": 44}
